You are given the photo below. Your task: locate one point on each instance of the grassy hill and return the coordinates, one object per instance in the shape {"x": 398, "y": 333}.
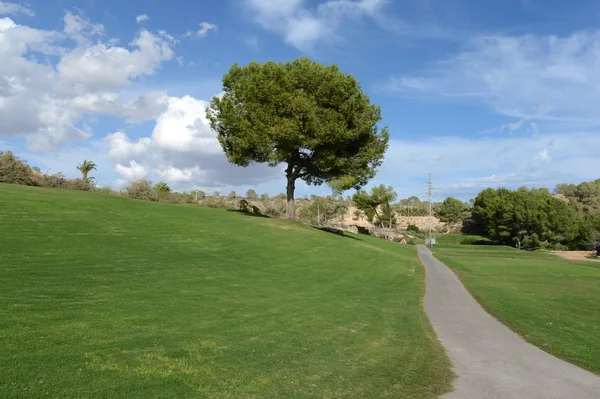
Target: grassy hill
{"x": 108, "y": 297}
{"x": 551, "y": 302}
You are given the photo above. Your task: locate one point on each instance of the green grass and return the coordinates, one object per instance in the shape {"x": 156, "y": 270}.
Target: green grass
{"x": 462, "y": 239}
{"x": 458, "y": 238}
{"x": 551, "y": 302}
{"x": 107, "y": 297}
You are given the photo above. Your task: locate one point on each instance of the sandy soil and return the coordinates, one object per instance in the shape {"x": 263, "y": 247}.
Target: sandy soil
{"x": 577, "y": 255}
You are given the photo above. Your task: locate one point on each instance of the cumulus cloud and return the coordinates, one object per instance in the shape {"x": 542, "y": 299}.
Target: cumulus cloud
{"x": 133, "y": 171}
{"x": 205, "y": 27}
{"x": 549, "y": 78}
{"x": 141, "y": 18}
{"x": 303, "y": 26}
{"x": 14, "y": 9}
{"x": 107, "y": 67}
{"x": 45, "y": 102}
{"x": 183, "y": 151}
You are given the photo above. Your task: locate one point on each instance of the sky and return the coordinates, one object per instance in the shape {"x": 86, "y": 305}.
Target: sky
{"x": 497, "y": 93}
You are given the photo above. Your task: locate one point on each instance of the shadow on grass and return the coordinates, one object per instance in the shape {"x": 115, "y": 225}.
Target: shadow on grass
{"x": 335, "y": 232}
{"x": 248, "y": 213}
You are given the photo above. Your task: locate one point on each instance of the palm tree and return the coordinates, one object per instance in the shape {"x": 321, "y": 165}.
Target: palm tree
{"x": 161, "y": 189}
{"x": 86, "y": 167}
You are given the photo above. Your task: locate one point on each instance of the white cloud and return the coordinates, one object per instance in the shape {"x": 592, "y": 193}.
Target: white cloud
{"x": 146, "y": 106}
{"x": 175, "y": 175}
{"x": 302, "y": 26}
{"x": 205, "y": 27}
{"x": 141, "y": 18}
{"x": 45, "y": 102}
{"x": 80, "y": 28}
{"x": 122, "y": 151}
{"x": 132, "y": 172}
{"x": 14, "y": 9}
{"x": 550, "y": 78}
{"x": 183, "y": 151}
{"x": 544, "y": 155}
{"x": 102, "y": 66}
{"x": 465, "y": 166}
{"x": 184, "y": 127}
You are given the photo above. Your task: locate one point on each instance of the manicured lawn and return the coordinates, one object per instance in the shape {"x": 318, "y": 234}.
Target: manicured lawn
{"x": 457, "y": 238}
{"x": 551, "y": 302}
{"x": 105, "y": 297}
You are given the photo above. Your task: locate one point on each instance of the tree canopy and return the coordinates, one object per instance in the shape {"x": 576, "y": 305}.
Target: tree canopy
{"x": 377, "y": 205}
{"x": 85, "y": 168}
{"x": 161, "y": 189}
{"x": 452, "y": 211}
{"x": 315, "y": 119}
{"x": 529, "y": 219}
{"x": 251, "y": 195}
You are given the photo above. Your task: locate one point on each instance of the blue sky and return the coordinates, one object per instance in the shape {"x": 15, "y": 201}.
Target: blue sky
{"x": 494, "y": 93}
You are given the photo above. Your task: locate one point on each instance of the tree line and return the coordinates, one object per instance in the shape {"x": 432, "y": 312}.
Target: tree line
{"x": 316, "y": 121}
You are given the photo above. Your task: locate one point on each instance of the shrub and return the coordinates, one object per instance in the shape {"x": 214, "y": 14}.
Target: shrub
{"x": 469, "y": 241}
{"x": 215, "y": 202}
{"x": 78, "y": 184}
{"x": 15, "y": 170}
{"x": 412, "y": 227}
{"x": 140, "y": 189}
{"x": 244, "y": 205}
{"x": 57, "y": 180}
{"x": 106, "y": 190}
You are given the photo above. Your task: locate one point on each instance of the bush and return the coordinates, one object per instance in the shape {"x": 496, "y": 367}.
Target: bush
{"x": 15, "y": 170}
{"x": 78, "y": 184}
{"x": 215, "y": 202}
{"x": 469, "y": 241}
{"x": 57, "y": 180}
{"x": 106, "y": 190}
{"x": 141, "y": 189}
{"x": 244, "y": 205}
{"x": 413, "y": 228}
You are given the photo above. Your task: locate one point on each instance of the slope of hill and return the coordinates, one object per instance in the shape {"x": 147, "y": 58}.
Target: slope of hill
{"x": 103, "y": 296}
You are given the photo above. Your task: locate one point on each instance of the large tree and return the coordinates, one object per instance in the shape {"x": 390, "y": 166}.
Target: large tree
{"x": 315, "y": 119}
{"x": 529, "y": 218}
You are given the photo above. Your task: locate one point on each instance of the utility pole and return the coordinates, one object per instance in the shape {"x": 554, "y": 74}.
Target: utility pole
{"x": 430, "y": 217}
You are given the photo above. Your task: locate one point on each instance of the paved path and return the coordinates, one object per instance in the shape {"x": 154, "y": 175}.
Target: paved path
{"x": 491, "y": 361}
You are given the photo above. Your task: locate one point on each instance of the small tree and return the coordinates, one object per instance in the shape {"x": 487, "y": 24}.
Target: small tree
{"x": 251, "y": 195}
{"x": 232, "y": 195}
{"x": 85, "y": 168}
{"x": 377, "y": 206}
{"x": 313, "y": 118}
{"x": 452, "y": 211}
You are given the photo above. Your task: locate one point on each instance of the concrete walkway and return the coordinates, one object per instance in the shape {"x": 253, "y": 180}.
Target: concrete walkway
{"x": 491, "y": 361}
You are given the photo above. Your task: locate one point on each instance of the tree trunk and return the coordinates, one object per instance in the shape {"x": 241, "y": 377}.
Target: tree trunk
{"x": 291, "y": 205}
{"x": 84, "y": 175}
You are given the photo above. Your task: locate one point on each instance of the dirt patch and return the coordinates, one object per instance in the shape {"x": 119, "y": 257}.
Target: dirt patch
{"x": 577, "y": 255}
